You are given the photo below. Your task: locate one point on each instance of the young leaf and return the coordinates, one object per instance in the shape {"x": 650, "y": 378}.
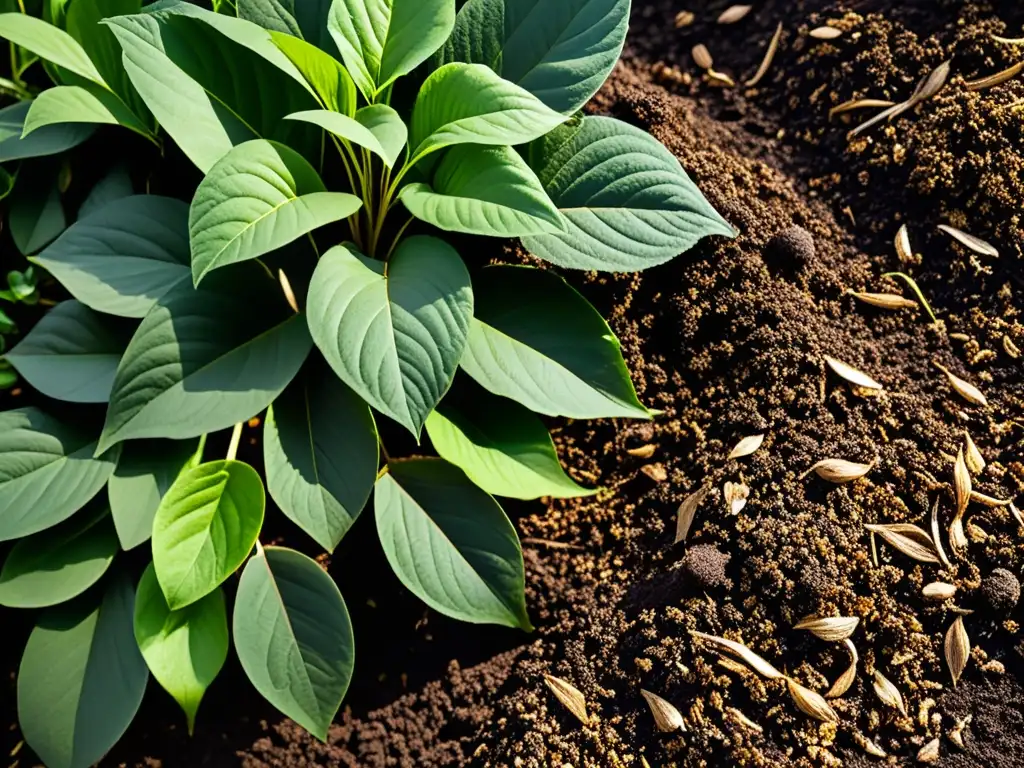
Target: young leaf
{"x": 502, "y": 447}
{"x": 259, "y": 197}
{"x": 184, "y": 649}
{"x": 484, "y": 191}
{"x": 52, "y": 567}
{"x": 71, "y": 354}
{"x": 144, "y": 473}
{"x": 450, "y": 543}
{"x": 122, "y": 258}
{"x": 47, "y": 472}
{"x": 204, "y": 529}
{"x": 36, "y": 216}
{"x": 347, "y": 128}
{"x": 381, "y": 40}
{"x": 561, "y": 51}
{"x": 51, "y": 140}
{"x": 81, "y": 678}
{"x": 202, "y": 360}
{"x": 294, "y": 637}
{"x": 80, "y": 104}
{"x": 320, "y": 453}
{"x": 395, "y": 339}
{"x": 329, "y": 80}
{"x": 470, "y": 104}
{"x": 50, "y": 43}
{"x": 116, "y": 185}
{"x": 534, "y": 339}
{"x": 627, "y": 203}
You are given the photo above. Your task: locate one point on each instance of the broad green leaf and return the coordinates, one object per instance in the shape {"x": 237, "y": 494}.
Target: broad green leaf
{"x": 276, "y": 15}
{"x": 385, "y": 124}
{"x": 325, "y": 75}
{"x": 205, "y": 527}
{"x": 294, "y": 637}
{"x": 144, "y": 473}
{"x": 320, "y": 454}
{"x": 259, "y": 197}
{"x": 184, "y": 649}
{"x": 50, "y": 43}
{"x": 381, "y": 40}
{"x": 345, "y": 127}
{"x": 395, "y": 339}
{"x": 47, "y": 471}
{"x": 116, "y": 185}
{"x": 483, "y": 191}
{"x": 52, "y": 567}
{"x": 450, "y": 543}
{"x": 51, "y": 140}
{"x": 123, "y": 257}
{"x": 502, "y": 447}
{"x": 313, "y": 16}
{"x": 80, "y": 104}
{"x": 72, "y": 354}
{"x": 81, "y": 678}
{"x": 537, "y": 341}
{"x": 36, "y": 216}
{"x": 627, "y": 203}
{"x": 561, "y": 51}
{"x": 470, "y": 104}
{"x": 203, "y": 360}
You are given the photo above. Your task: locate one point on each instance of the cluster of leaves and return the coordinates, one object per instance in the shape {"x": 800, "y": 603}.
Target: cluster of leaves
{"x": 189, "y": 318}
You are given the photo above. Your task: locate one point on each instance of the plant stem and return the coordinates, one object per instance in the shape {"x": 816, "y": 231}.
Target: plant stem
{"x": 398, "y": 237}
{"x": 236, "y": 437}
{"x": 383, "y": 450}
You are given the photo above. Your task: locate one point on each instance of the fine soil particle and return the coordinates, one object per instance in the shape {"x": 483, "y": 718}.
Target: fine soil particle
{"x": 729, "y": 341}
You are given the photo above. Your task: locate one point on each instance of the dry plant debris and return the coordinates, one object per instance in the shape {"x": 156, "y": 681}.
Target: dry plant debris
{"x": 962, "y": 494}
{"x": 929, "y": 753}
{"x": 734, "y": 13}
{"x": 957, "y": 648}
{"x": 769, "y": 57}
{"x": 811, "y": 703}
{"x": 965, "y": 389}
{"x": 970, "y": 242}
{"x": 884, "y": 300}
{"x": 686, "y": 512}
{"x": 975, "y": 461}
{"x": 853, "y": 104}
{"x": 736, "y": 495}
{"x": 888, "y": 693}
{"x": 845, "y": 680}
{"x": 995, "y": 79}
{"x": 832, "y": 629}
{"x": 569, "y": 696}
{"x": 908, "y": 539}
{"x": 839, "y": 470}
{"x": 747, "y": 656}
{"x": 917, "y": 292}
{"x": 666, "y": 717}
{"x": 852, "y": 375}
{"x": 746, "y": 446}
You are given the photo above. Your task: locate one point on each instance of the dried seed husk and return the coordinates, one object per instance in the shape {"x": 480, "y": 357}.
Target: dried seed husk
{"x": 957, "y": 537}
{"x": 961, "y": 483}
{"x": 825, "y": 33}
{"x": 702, "y": 56}
{"x": 656, "y": 472}
{"x": 929, "y": 753}
{"x": 734, "y": 13}
{"x": 1010, "y": 348}
{"x": 845, "y": 680}
{"x": 570, "y": 697}
{"x": 684, "y": 19}
{"x": 686, "y": 512}
{"x": 720, "y": 78}
{"x": 938, "y": 590}
{"x": 975, "y": 461}
{"x": 958, "y": 649}
{"x": 735, "y": 495}
{"x": 966, "y": 390}
{"x": 903, "y": 249}
{"x": 888, "y": 694}
{"x": 643, "y": 452}
{"x": 885, "y": 300}
{"x": 933, "y": 83}
{"x": 741, "y": 651}
{"x": 839, "y": 470}
{"x": 870, "y": 747}
{"x": 666, "y": 717}
{"x": 996, "y": 79}
{"x": 976, "y": 533}
{"x": 746, "y": 446}
{"x": 970, "y": 242}
{"x": 989, "y": 501}
{"x": 851, "y": 374}
{"x": 286, "y": 287}
{"x": 832, "y": 629}
{"x": 908, "y": 539}
{"x": 936, "y": 538}
{"x": 811, "y": 703}
{"x": 769, "y": 56}
{"x": 852, "y": 104}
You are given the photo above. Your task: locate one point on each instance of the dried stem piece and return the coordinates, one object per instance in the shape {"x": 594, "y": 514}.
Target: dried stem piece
{"x": 845, "y": 680}
{"x": 997, "y": 79}
{"x": 832, "y": 629}
{"x": 743, "y": 653}
{"x": 888, "y": 693}
{"x": 769, "y": 57}
{"x": 958, "y": 649}
{"x": 908, "y": 539}
{"x": 570, "y": 697}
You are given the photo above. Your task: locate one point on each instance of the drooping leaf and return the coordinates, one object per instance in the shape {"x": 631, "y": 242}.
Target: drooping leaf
{"x": 144, "y": 473}
{"x": 347, "y": 128}
{"x": 381, "y": 40}
{"x": 47, "y": 471}
{"x": 205, "y": 527}
{"x": 51, "y": 140}
{"x": 36, "y": 216}
{"x": 80, "y": 104}
{"x": 325, "y": 75}
{"x": 202, "y": 360}
{"x": 54, "y": 566}
{"x": 294, "y": 637}
{"x": 389, "y": 128}
{"x": 320, "y": 453}
{"x": 184, "y": 649}
{"x": 627, "y": 203}
{"x": 395, "y": 339}
{"x": 470, "y": 104}
{"x": 123, "y": 257}
{"x": 534, "y": 339}
{"x": 276, "y": 15}
{"x": 450, "y": 543}
{"x": 81, "y": 678}
{"x": 484, "y": 191}
{"x": 501, "y": 446}
{"x": 116, "y": 185}
{"x": 50, "y": 43}
{"x": 259, "y": 197}
{"x": 561, "y": 51}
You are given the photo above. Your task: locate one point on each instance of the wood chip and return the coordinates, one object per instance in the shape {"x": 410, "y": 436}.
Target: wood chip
{"x": 570, "y": 697}
{"x": 970, "y": 242}
{"x": 746, "y": 446}
{"x": 743, "y": 653}
{"x": 888, "y": 693}
{"x": 734, "y": 13}
{"x": 686, "y": 512}
{"x": 929, "y": 753}
{"x": 936, "y": 537}
{"x": 997, "y": 79}
{"x": 845, "y": 680}
{"x": 811, "y": 703}
{"x": 1010, "y": 348}
{"x": 967, "y": 391}
{"x": 975, "y": 461}
{"x": 852, "y": 104}
{"x": 833, "y": 629}
{"x": 736, "y": 495}
{"x": 957, "y": 648}
{"x": 666, "y": 717}
{"x": 938, "y": 590}
{"x": 851, "y": 374}
{"x": 825, "y": 33}
{"x": 769, "y": 57}
{"x": 643, "y": 452}
{"x": 903, "y": 249}
{"x": 885, "y": 300}
{"x": 990, "y": 501}
{"x": 684, "y": 19}
{"x": 908, "y": 539}
{"x": 702, "y": 56}
{"x": 839, "y": 470}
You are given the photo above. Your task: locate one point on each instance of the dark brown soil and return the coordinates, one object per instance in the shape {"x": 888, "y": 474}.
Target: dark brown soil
{"x": 729, "y": 341}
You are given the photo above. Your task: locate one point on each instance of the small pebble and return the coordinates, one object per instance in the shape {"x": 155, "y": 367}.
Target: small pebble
{"x": 705, "y": 565}
{"x": 1001, "y": 590}
{"x": 793, "y": 247}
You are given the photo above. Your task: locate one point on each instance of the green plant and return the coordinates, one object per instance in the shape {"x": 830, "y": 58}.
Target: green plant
{"x": 193, "y": 318}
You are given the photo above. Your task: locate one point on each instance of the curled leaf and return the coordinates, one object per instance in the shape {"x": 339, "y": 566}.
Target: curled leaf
{"x": 888, "y": 694}
{"x": 666, "y": 717}
{"x": 851, "y": 374}
{"x": 938, "y": 590}
{"x": 832, "y": 629}
{"x": 736, "y": 495}
{"x": 908, "y": 539}
{"x": 958, "y": 648}
{"x": 970, "y": 242}
{"x": 967, "y": 391}
{"x": 569, "y": 696}
{"x": 687, "y": 511}
{"x": 839, "y": 470}
{"x": 746, "y": 446}
{"x": 743, "y": 653}
{"x": 845, "y": 680}
{"x": 811, "y": 703}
